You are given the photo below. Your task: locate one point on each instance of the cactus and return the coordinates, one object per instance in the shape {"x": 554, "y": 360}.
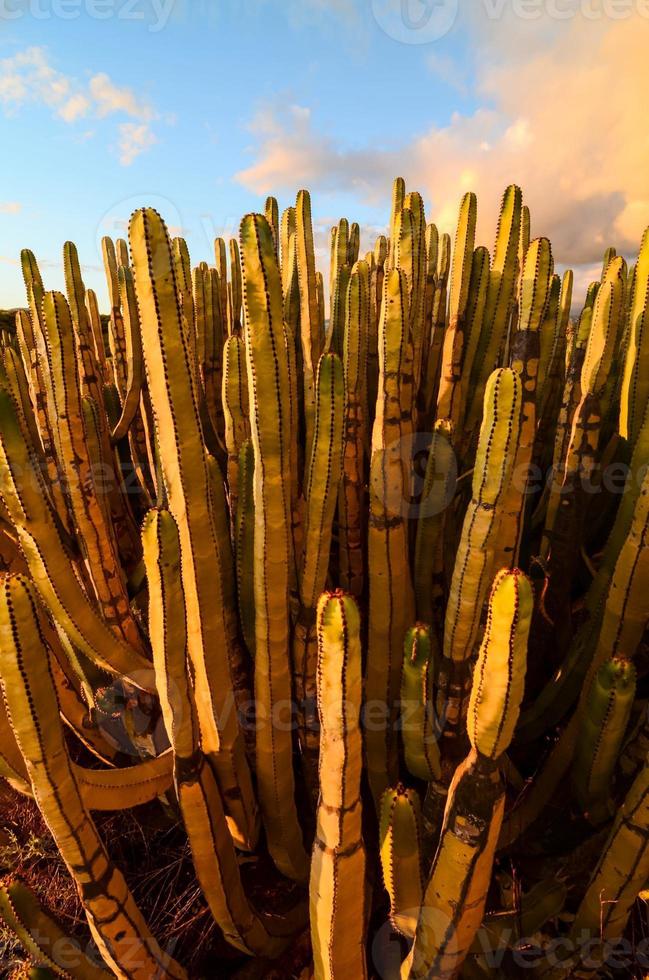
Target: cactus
{"x": 399, "y": 834}
{"x": 337, "y": 885}
{"x": 273, "y": 460}
{"x": 454, "y": 898}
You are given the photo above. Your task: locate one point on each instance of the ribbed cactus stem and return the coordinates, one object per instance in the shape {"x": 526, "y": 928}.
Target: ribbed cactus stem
{"x": 351, "y": 524}
{"x": 419, "y": 730}
{"x": 186, "y": 475}
{"x": 268, "y": 378}
{"x": 200, "y": 801}
{"x": 399, "y": 838}
{"x": 323, "y": 480}
{"x": 337, "y": 887}
{"x": 603, "y": 724}
{"x": 115, "y": 921}
{"x": 474, "y": 563}
{"x": 455, "y": 896}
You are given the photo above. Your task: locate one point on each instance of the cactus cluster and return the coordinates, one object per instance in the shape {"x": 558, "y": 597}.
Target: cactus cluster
{"x": 379, "y": 570}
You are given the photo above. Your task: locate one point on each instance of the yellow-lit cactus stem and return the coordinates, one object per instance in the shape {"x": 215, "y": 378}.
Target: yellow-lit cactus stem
{"x": 135, "y": 418}
{"x": 437, "y": 327}
{"x": 311, "y": 339}
{"x": 351, "y": 496}
{"x": 603, "y": 724}
{"x": 474, "y": 562}
{"x": 323, "y": 480}
{"x": 453, "y": 351}
{"x": 234, "y": 393}
{"x": 437, "y": 492}
{"x": 187, "y": 481}
{"x": 116, "y": 336}
{"x": 94, "y": 531}
{"x": 634, "y": 397}
{"x": 29, "y": 354}
{"x": 267, "y": 366}
{"x": 391, "y": 598}
{"x": 271, "y": 211}
{"x": 525, "y": 352}
{"x": 500, "y": 296}
{"x": 244, "y": 544}
{"x": 401, "y": 863}
{"x": 454, "y": 898}
{"x": 26, "y": 499}
{"x": 419, "y": 731}
{"x": 115, "y": 921}
{"x": 196, "y": 786}
{"x": 42, "y": 937}
{"x": 337, "y": 889}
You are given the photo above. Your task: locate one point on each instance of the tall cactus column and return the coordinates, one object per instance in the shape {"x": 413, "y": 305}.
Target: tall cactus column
{"x": 337, "y": 888}
{"x": 268, "y": 382}
{"x": 455, "y": 896}
{"x": 187, "y": 480}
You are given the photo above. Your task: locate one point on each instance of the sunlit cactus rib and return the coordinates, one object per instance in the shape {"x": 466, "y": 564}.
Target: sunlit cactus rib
{"x": 236, "y": 299}
{"x": 418, "y": 723}
{"x": 244, "y": 543}
{"x": 603, "y": 724}
{"x": 473, "y": 319}
{"x": 42, "y": 937}
{"x": 271, "y": 212}
{"x": 597, "y": 359}
{"x": 336, "y": 333}
{"x": 337, "y": 888}
{"x": 339, "y": 249}
{"x": 38, "y": 532}
{"x": 95, "y": 533}
{"x": 286, "y": 229}
{"x": 399, "y": 838}
{"x": 437, "y": 492}
{"x": 398, "y": 195}
{"x": 116, "y": 923}
{"x": 133, "y": 344}
{"x": 500, "y": 295}
{"x": 413, "y": 202}
{"x": 321, "y": 490}
{"x": 438, "y": 325}
{"x": 448, "y": 396}
{"x": 76, "y": 294}
{"x": 474, "y": 563}
{"x": 116, "y": 338}
{"x": 187, "y": 482}
{"x": 311, "y": 339}
{"x": 267, "y": 366}
{"x": 351, "y": 523}
{"x": 455, "y": 896}
{"x": 200, "y": 800}
{"x": 634, "y": 396}
{"x": 234, "y": 394}
{"x": 525, "y": 352}
{"x": 391, "y": 598}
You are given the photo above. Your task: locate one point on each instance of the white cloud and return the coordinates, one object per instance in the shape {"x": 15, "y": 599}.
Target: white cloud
{"x": 10, "y": 207}
{"x": 28, "y": 77}
{"x": 134, "y": 139}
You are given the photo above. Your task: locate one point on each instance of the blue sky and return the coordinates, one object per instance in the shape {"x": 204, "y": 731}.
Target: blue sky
{"x": 201, "y": 108}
